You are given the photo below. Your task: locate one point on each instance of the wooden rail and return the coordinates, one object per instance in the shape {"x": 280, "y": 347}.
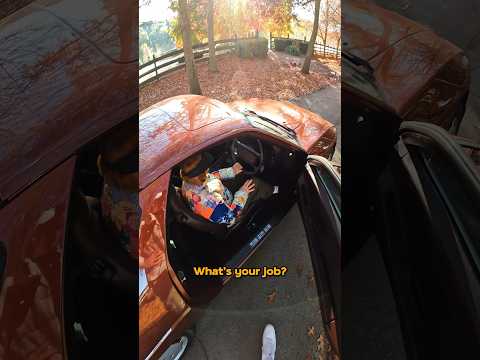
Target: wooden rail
{"x": 174, "y": 60}
{"x": 319, "y": 50}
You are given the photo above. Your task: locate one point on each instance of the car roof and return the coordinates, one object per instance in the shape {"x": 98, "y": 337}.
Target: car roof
{"x": 176, "y": 128}
{"x": 63, "y": 84}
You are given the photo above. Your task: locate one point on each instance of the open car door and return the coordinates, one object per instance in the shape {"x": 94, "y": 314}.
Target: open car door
{"x": 429, "y": 231}
{"x": 319, "y": 199}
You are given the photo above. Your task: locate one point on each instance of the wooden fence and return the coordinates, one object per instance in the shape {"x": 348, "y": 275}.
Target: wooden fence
{"x": 174, "y": 60}
{"x": 319, "y": 50}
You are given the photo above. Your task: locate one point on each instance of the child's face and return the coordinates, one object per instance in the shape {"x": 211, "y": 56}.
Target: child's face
{"x": 200, "y": 179}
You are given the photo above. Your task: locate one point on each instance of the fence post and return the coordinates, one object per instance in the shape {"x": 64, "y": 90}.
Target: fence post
{"x": 288, "y": 36}
{"x": 155, "y": 66}
{"x": 256, "y": 34}
{"x": 270, "y": 42}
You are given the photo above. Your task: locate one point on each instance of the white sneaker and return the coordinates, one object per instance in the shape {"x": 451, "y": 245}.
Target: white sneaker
{"x": 269, "y": 343}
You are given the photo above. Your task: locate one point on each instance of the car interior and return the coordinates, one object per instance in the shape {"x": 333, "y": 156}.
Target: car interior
{"x": 195, "y": 241}
{"x": 100, "y": 279}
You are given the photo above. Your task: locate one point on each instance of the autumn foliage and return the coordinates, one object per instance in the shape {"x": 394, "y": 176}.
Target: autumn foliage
{"x": 239, "y": 17}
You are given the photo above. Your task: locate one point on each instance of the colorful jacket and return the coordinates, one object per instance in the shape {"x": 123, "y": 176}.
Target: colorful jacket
{"x": 121, "y": 211}
{"x": 213, "y": 200}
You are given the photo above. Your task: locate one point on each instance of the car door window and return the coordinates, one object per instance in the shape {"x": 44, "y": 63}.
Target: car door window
{"x": 327, "y": 179}
{"x": 456, "y": 176}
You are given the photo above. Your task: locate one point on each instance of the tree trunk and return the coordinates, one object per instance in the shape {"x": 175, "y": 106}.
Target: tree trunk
{"x": 324, "y": 47}
{"x": 338, "y": 46}
{"x": 187, "y": 48}
{"x": 212, "y": 60}
{"x": 308, "y": 57}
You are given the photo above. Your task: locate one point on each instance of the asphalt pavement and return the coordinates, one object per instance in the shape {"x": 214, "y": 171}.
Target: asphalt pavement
{"x": 232, "y": 325}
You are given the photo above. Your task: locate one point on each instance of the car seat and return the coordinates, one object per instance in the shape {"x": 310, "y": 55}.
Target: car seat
{"x": 184, "y": 215}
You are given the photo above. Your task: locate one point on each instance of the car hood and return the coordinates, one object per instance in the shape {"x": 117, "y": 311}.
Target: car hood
{"x": 61, "y": 86}
{"x": 368, "y": 30}
{"x": 404, "y": 55}
{"x": 404, "y": 71}
{"x": 308, "y": 126}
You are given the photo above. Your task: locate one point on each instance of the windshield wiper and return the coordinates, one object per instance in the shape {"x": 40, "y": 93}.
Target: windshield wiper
{"x": 354, "y": 59}
{"x": 290, "y": 131}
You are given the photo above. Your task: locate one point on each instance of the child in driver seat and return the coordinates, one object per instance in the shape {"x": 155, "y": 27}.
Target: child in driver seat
{"x": 208, "y": 197}
{"x": 118, "y": 164}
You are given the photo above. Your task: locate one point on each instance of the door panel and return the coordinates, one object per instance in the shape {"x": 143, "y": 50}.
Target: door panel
{"x": 428, "y": 210}
{"x": 161, "y": 304}
{"x": 32, "y": 229}
{"x": 320, "y": 204}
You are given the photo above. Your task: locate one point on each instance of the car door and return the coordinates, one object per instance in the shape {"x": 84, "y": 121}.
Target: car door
{"x": 33, "y": 227}
{"x": 319, "y": 199}
{"x": 164, "y": 313}
{"x": 428, "y": 212}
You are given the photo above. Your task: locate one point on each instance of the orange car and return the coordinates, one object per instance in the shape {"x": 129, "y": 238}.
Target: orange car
{"x": 277, "y": 141}
{"x": 70, "y": 79}
{"x": 400, "y": 66}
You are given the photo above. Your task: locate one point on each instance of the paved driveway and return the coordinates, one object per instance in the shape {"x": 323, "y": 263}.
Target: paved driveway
{"x": 231, "y": 327}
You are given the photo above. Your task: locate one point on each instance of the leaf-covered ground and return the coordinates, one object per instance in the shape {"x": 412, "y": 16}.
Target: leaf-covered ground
{"x": 277, "y": 77}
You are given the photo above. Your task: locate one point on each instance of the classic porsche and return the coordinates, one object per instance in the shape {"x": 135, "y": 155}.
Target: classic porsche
{"x": 69, "y": 81}
{"x": 278, "y": 142}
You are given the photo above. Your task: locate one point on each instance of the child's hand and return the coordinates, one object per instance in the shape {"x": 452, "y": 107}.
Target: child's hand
{"x": 248, "y": 186}
{"x": 237, "y": 168}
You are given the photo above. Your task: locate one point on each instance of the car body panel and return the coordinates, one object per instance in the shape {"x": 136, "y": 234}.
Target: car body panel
{"x": 404, "y": 55}
{"x": 162, "y": 308}
{"x": 33, "y": 231}
{"x": 176, "y": 128}
{"x": 369, "y": 29}
{"x": 403, "y": 71}
{"x": 62, "y": 90}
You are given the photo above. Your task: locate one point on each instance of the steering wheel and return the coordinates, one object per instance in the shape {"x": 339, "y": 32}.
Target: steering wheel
{"x": 250, "y": 158}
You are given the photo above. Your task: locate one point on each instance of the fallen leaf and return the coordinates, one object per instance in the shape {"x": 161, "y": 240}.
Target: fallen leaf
{"x": 309, "y": 357}
{"x": 299, "y": 269}
{"x": 310, "y": 280}
{"x": 311, "y": 331}
{"x": 323, "y": 346}
{"x": 240, "y": 78}
{"x": 271, "y": 297}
